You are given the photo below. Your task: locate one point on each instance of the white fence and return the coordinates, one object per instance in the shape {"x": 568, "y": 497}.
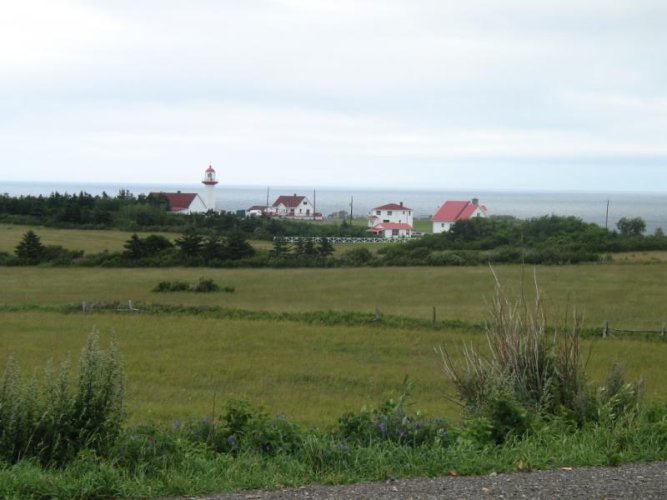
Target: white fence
{"x": 343, "y": 239}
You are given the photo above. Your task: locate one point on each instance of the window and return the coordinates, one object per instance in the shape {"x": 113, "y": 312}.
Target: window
{"x": 394, "y": 232}
{"x": 388, "y": 212}
{"x": 378, "y": 212}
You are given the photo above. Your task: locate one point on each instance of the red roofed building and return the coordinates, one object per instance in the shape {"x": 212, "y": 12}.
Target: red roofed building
{"x": 293, "y": 207}
{"x": 453, "y": 211}
{"x": 391, "y": 221}
{"x": 183, "y": 203}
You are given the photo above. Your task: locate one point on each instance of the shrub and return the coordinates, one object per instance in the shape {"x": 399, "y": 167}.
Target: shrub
{"x": 206, "y": 286}
{"x": 54, "y": 421}
{"x": 534, "y": 367}
{"x": 244, "y": 427}
{"x": 390, "y": 422}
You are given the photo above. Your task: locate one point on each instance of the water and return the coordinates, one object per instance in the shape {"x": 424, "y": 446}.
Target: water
{"x": 591, "y": 207}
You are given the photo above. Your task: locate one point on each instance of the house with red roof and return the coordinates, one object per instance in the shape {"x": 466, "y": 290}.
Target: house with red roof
{"x": 183, "y": 203}
{"x": 393, "y": 220}
{"x": 453, "y": 211}
{"x": 293, "y": 207}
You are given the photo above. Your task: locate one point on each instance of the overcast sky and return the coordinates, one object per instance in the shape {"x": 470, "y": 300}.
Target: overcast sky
{"x": 497, "y": 94}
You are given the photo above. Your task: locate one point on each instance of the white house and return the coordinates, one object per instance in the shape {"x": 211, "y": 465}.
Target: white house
{"x": 293, "y": 207}
{"x": 256, "y": 211}
{"x": 453, "y": 211}
{"x": 183, "y": 203}
{"x": 391, "y": 221}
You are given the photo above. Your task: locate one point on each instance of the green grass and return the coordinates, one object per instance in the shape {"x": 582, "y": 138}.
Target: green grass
{"x": 627, "y": 295}
{"x": 423, "y": 226}
{"x": 90, "y": 241}
{"x": 182, "y": 366}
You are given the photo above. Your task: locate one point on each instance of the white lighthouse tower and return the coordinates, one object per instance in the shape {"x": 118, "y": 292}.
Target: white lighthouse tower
{"x": 209, "y": 181}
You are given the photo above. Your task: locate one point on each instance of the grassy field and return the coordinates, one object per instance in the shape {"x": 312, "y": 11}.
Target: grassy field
{"x": 90, "y": 241}
{"x": 183, "y": 366}
{"x": 627, "y": 295}
{"x": 188, "y": 366}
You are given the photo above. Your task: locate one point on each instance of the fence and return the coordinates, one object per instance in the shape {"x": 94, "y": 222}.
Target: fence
{"x": 607, "y": 330}
{"x": 343, "y": 239}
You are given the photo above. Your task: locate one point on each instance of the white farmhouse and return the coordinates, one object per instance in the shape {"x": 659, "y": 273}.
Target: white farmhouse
{"x": 391, "y": 221}
{"x": 453, "y": 211}
{"x": 293, "y": 207}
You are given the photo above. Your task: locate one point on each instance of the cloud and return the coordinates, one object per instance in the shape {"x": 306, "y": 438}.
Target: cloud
{"x": 352, "y": 85}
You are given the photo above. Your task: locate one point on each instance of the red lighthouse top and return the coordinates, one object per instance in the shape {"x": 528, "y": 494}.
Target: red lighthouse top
{"x": 209, "y": 177}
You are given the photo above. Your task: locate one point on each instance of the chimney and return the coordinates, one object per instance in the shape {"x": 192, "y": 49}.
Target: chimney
{"x": 401, "y": 203}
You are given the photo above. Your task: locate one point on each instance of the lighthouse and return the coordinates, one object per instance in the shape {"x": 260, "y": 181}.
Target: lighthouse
{"x": 209, "y": 181}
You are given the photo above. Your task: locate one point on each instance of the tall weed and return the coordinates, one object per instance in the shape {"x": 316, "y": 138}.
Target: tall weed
{"x": 55, "y": 420}
{"x": 530, "y": 367}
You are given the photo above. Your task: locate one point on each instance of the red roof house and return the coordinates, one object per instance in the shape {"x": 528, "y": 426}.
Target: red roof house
{"x": 393, "y": 220}
{"x": 293, "y": 207}
{"x": 183, "y": 203}
{"x": 453, "y": 211}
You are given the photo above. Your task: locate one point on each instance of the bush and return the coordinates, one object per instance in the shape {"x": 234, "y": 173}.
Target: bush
{"x": 390, "y": 423}
{"x": 206, "y": 286}
{"x": 243, "y": 427}
{"x": 54, "y": 421}
{"x": 532, "y": 367}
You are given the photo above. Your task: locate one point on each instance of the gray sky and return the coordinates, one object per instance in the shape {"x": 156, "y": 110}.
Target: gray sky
{"x": 506, "y": 94}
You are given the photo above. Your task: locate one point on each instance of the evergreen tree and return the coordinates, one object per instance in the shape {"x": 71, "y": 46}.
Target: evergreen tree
{"x": 309, "y": 248}
{"x": 280, "y": 246}
{"x": 154, "y": 244}
{"x": 325, "y": 248}
{"x": 134, "y": 248}
{"x": 30, "y": 248}
{"x": 214, "y": 248}
{"x": 190, "y": 245}
{"x": 237, "y": 247}
{"x": 299, "y": 248}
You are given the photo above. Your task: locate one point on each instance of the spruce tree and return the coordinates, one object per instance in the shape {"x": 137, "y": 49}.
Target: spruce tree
{"x": 325, "y": 248}
{"x": 30, "y": 248}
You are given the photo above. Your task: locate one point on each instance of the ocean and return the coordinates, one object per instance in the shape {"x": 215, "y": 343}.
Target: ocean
{"x": 591, "y": 207}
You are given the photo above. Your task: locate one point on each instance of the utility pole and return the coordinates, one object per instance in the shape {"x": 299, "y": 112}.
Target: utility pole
{"x": 314, "y": 203}
{"x": 606, "y": 219}
{"x": 351, "y": 208}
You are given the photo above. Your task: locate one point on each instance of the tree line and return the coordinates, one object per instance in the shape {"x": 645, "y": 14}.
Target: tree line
{"x": 128, "y": 212}
{"x": 543, "y": 240}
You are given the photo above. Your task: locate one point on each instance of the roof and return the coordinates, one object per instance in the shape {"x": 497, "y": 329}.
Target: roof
{"x": 391, "y": 225}
{"x": 392, "y": 206}
{"x": 452, "y": 211}
{"x": 210, "y": 169}
{"x": 289, "y": 201}
{"x": 178, "y": 201}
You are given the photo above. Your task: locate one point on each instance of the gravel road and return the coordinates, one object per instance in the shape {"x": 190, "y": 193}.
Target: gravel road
{"x": 640, "y": 481}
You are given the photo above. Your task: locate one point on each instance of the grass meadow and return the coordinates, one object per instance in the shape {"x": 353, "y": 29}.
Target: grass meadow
{"x": 627, "y": 295}
{"x": 181, "y": 367}
{"x": 90, "y": 241}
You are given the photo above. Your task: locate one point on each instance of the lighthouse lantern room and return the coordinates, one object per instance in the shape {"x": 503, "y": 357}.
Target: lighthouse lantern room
{"x": 209, "y": 182}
